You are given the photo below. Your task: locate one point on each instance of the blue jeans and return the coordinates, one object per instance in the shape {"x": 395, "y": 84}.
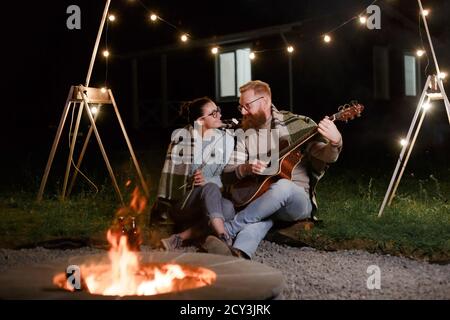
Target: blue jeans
{"x": 284, "y": 201}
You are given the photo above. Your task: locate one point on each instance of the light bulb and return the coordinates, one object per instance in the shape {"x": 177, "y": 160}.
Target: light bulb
{"x": 94, "y": 110}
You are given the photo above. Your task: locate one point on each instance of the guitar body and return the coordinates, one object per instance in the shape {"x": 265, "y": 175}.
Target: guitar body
{"x": 253, "y": 186}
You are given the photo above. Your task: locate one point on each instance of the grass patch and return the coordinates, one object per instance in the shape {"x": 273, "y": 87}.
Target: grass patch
{"x": 417, "y": 225}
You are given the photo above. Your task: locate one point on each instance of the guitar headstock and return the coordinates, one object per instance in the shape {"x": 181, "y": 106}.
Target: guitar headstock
{"x": 348, "y": 111}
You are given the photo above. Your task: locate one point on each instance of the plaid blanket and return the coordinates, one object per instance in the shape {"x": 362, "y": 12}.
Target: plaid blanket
{"x": 188, "y": 152}
{"x": 173, "y": 183}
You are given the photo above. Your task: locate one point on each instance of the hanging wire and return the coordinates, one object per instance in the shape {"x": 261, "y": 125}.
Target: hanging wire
{"x": 71, "y": 158}
{"x": 106, "y": 45}
{"x": 422, "y": 43}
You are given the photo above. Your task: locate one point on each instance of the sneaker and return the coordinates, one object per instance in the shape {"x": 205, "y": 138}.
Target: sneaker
{"x": 173, "y": 242}
{"x": 215, "y": 245}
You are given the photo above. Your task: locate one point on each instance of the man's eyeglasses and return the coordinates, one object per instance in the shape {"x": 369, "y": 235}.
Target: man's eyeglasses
{"x": 246, "y": 106}
{"x": 214, "y": 113}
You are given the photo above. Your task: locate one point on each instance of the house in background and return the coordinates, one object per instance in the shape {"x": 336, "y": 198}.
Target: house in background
{"x": 379, "y": 68}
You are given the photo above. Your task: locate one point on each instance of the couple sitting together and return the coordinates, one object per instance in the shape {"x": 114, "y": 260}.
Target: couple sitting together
{"x": 194, "y": 188}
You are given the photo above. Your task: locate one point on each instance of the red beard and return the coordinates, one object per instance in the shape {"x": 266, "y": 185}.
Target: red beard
{"x": 254, "y": 121}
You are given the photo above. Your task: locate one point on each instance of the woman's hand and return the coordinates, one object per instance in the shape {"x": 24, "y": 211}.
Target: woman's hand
{"x": 199, "y": 180}
{"x": 254, "y": 168}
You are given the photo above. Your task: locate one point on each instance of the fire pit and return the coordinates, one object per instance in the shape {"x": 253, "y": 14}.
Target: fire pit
{"x": 126, "y": 273}
{"x": 231, "y": 278}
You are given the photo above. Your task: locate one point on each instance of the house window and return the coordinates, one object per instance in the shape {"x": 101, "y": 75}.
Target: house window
{"x": 410, "y": 75}
{"x": 233, "y": 69}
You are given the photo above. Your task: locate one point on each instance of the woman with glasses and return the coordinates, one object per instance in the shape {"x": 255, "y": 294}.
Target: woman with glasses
{"x": 193, "y": 188}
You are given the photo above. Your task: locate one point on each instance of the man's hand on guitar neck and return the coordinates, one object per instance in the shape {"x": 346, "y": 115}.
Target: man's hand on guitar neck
{"x": 328, "y": 129}
{"x": 253, "y": 168}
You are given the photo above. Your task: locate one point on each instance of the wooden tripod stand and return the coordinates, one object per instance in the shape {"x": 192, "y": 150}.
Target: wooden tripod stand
{"x": 82, "y": 97}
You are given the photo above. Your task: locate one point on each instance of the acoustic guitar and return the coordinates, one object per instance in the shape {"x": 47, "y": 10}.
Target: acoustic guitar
{"x": 253, "y": 186}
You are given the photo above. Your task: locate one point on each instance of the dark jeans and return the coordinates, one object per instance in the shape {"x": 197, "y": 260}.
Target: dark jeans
{"x": 204, "y": 203}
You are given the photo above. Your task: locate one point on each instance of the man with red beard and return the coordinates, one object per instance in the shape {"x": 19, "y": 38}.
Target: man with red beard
{"x": 286, "y": 200}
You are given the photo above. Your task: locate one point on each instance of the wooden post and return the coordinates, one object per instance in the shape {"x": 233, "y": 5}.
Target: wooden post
{"x": 135, "y": 94}
{"x": 164, "y": 102}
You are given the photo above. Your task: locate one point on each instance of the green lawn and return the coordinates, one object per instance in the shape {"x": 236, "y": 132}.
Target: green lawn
{"x": 416, "y": 225}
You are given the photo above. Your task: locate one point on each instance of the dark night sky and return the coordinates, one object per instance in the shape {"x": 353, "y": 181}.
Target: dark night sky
{"x": 42, "y": 58}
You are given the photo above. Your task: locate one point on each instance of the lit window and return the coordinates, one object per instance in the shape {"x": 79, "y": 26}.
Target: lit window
{"x": 410, "y": 75}
{"x": 233, "y": 69}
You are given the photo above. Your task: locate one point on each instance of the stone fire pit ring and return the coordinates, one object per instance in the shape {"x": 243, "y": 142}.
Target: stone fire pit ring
{"x": 237, "y": 279}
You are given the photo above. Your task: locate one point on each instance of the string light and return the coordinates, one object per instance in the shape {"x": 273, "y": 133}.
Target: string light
{"x": 362, "y": 19}
{"x": 106, "y": 53}
{"x": 103, "y": 90}
{"x": 184, "y": 37}
{"x": 94, "y": 110}
{"x": 290, "y": 49}
{"x": 251, "y": 55}
{"x": 420, "y": 52}
{"x": 403, "y": 142}
{"x": 326, "y": 38}
{"x": 442, "y": 75}
{"x": 426, "y": 106}
{"x": 112, "y": 17}
{"x": 214, "y": 50}
{"x": 425, "y": 12}
{"x": 153, "y": 17}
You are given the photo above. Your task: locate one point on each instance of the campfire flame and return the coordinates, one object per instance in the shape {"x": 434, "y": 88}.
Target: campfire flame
{"x": 124, "y": 274}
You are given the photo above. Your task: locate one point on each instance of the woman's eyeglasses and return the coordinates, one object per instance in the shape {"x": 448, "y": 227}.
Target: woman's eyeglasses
{"x": 214, "y": 114}
{"x": 246, "y": 106}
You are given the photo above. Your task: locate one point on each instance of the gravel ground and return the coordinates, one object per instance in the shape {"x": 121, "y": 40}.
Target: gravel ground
{"x": 311, "y": 274}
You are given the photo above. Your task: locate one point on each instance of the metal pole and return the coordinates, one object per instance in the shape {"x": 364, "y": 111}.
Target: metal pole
{"x": 408, "y": 154}
{"x": 429, "y": 37}
{"x": 55, "y": 145}
{"x": 133, "y": 156}
{"x": 97, "y": 42}
{"x": 102, "y": 149}
{"x": 405, "y": 147}
{"x": 72, "y": 148}
{"x": 80, "y": 158}
{"x": 135, "y": 93}
{"x": 291, "y": 86}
